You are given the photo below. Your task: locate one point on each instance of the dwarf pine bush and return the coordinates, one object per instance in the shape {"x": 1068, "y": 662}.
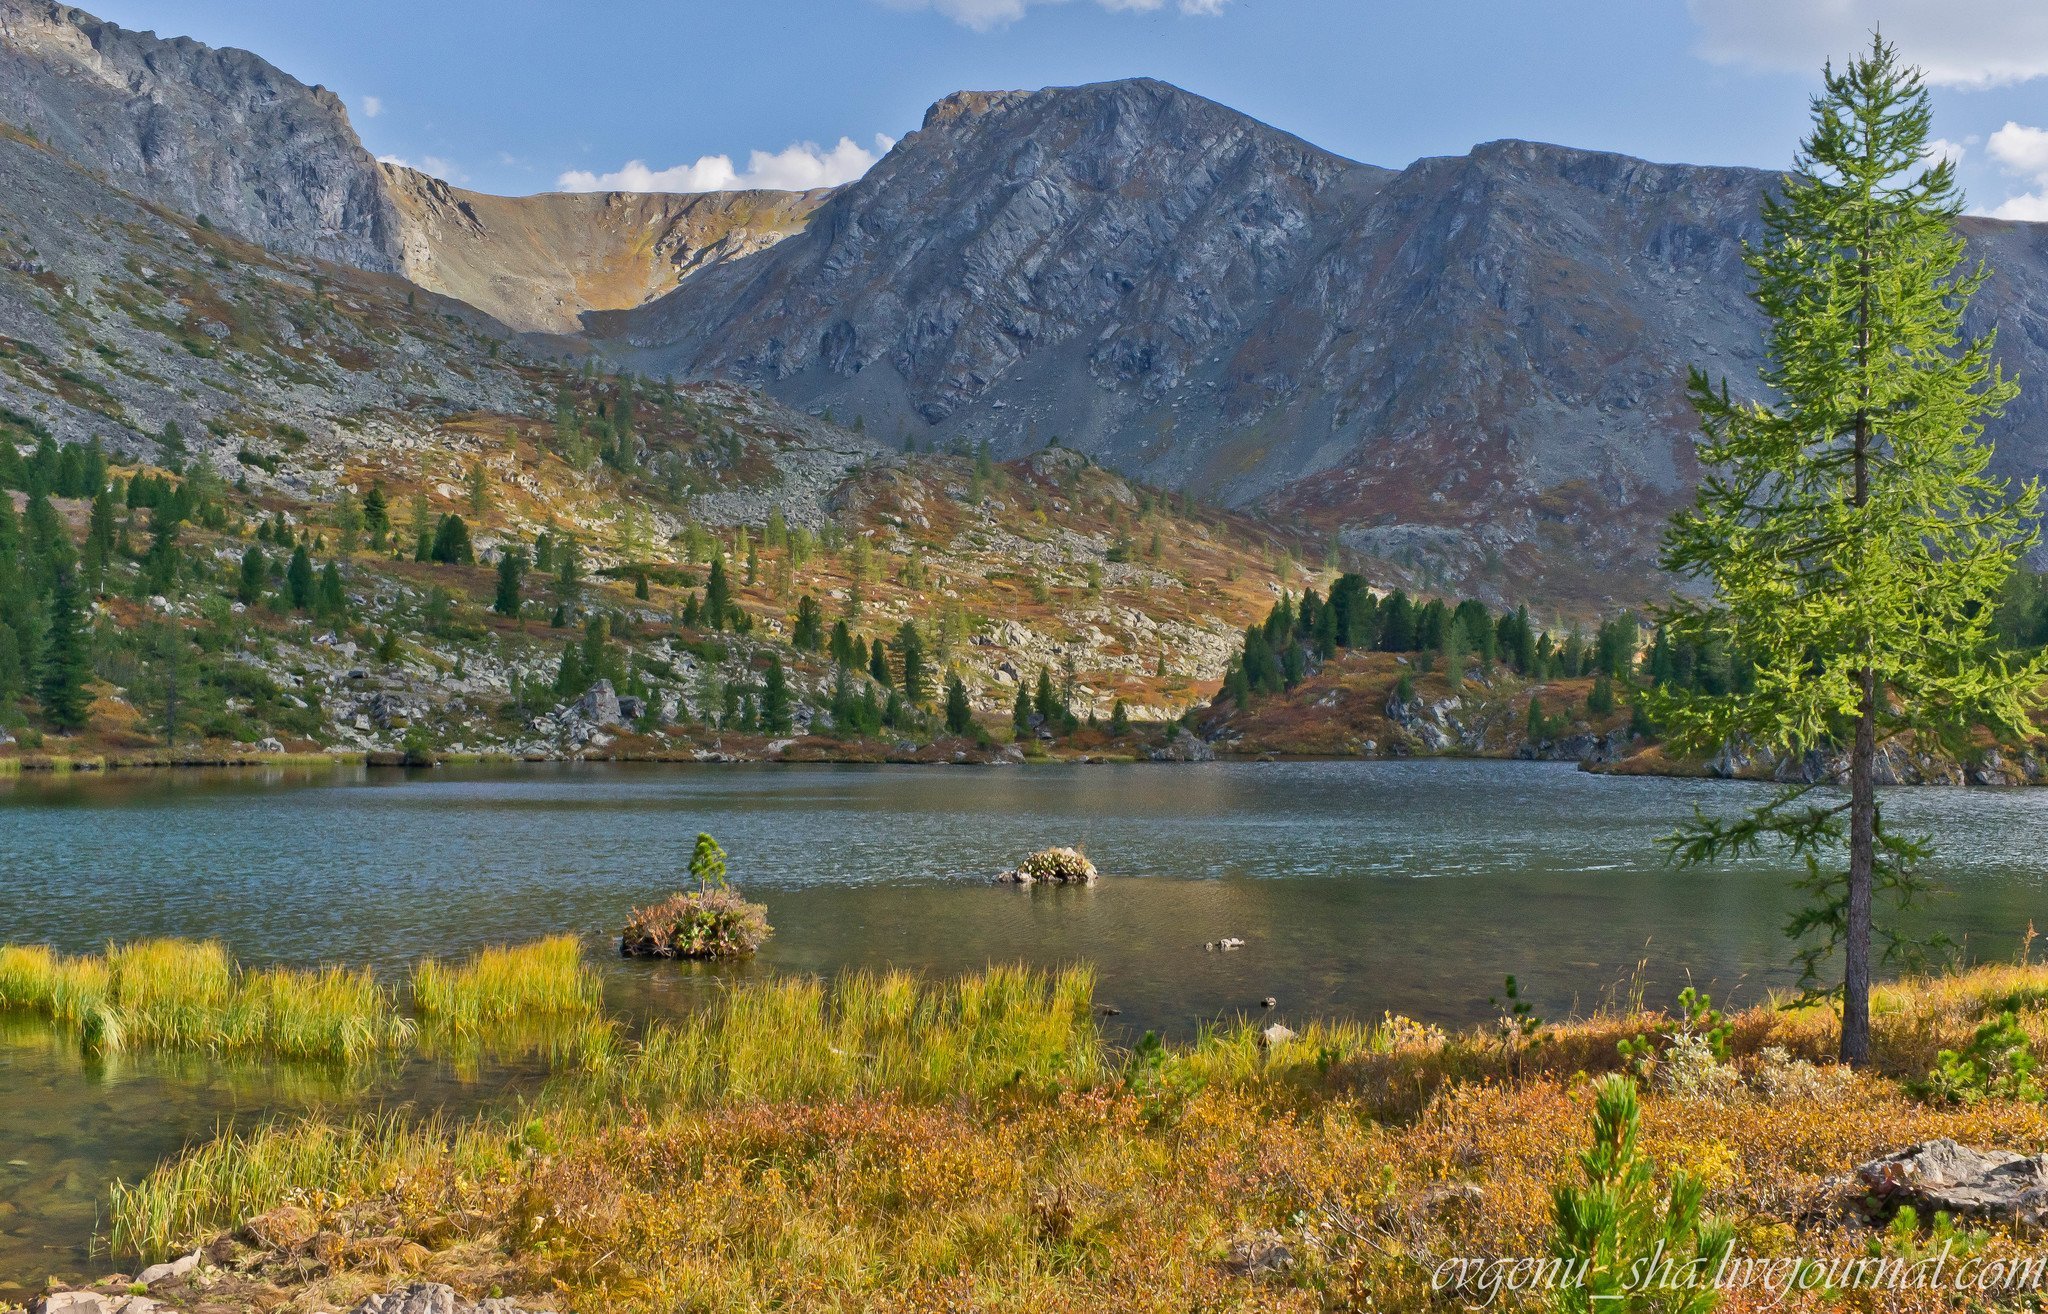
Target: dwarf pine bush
{"x": 1611, "y": 1230}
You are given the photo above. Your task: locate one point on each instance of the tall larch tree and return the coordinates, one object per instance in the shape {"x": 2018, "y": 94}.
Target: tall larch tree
{"x": 1847, "y": 519}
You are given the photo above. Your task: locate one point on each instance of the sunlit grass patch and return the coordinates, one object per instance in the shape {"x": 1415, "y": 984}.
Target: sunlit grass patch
{"x": 886, "y": 1141}
{"x": 180, "y": 994}
{"x": 1009, "y": 1028}
{"x": 235, "y": 1177}
{"x": 507, "y": 983}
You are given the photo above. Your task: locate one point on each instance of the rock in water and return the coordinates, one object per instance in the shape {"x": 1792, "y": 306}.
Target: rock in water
{"x": 1994, "y": 1185}
{"x": 1060, "y": 866}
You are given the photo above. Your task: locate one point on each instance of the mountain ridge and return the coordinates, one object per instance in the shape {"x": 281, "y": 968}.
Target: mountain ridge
{"x": 1468, "y": 372}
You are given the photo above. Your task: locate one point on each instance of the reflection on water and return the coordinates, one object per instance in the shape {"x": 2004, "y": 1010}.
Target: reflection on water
{"x": 1359, "y": 887}
{"x": 71, "y": 1125}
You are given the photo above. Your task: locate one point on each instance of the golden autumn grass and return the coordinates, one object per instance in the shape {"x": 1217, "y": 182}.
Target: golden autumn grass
{"x": 191, "y": 995}
{"x": 886, "y": 1143}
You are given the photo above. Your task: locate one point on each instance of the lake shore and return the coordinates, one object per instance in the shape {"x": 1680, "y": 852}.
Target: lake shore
{"x": 884, "y": 1142}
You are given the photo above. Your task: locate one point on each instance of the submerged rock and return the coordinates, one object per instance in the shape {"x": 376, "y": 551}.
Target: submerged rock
{"x": 1994, "y": 1185}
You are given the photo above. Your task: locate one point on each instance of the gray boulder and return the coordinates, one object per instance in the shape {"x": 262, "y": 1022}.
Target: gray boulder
{"x": 1992, "y": 1185}
{"x": 1182, "y": 746}
{"x": 431, "y": 1298}
{"x": 169, "y": 1269}
{"x": 599, "y": 704}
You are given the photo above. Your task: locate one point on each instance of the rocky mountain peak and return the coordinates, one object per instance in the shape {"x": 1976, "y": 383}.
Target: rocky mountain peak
{"x": 219, "y": 133}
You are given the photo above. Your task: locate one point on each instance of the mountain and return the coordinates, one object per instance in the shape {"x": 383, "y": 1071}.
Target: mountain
{"x": 537, "y": 263}
{"x": 1469, "y": 372}
{"x": 1471, "y": 368}
{"x": 226, "y": 135}
{"x": 219, "y": 133}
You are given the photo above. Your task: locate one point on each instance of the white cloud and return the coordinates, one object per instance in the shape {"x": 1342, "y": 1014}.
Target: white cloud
{"x": 2023, "y": 151}
{"x": 1959, "y": 43}
{"x": 984, "y": 15}
{"x": 2020, "y": 149}
{"x": 372, "y": 106}
{"x": 1941, "y": 148}
{"x": 794, "y": 168}
{"x": 444, "y": 169}
{"x": 2029, "y": 206}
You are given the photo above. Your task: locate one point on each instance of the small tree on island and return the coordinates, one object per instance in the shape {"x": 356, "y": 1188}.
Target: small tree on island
{"x": 707, "y": 863}
{"x": 711, "y": 921}
{"x": 1852, "y": 532}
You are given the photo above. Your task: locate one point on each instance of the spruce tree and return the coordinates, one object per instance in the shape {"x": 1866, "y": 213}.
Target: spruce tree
{"x": 330, "y": 599}
{"x": 99, "y": 542}
{"x": 910, "y": 652}
{"x": 451, "y": 542}
{"x": 255, "y": 571}
{"x": 775, "y": 701}
{"x": 1851, "y": 530}
{"x": 511, "y": 570}
{"x": 376, "y": 517}
{"x": 67, "y": 659}
{"x": 1046, "y": 703}
{"x": 717, "y": 595}
{"x": 1020, "y": 715}
{"x": 807, "y": 634}
{"x": 298, "y": 580}
{"x": 959, "y": 712}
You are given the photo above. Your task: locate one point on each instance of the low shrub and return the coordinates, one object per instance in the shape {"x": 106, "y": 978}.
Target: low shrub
{"x": 1057, "y": 866}
{"x": 713, "y": 923}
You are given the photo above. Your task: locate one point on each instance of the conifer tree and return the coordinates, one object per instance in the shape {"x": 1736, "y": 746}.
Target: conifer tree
{"x": 717, "y": 595}
{"x": 959, "y": 712}
{"x": 807, "y": 633}
{"x": 298, "y": 579}
{"x": 67, "y": 661}
{"x": 775, "y": 701}
{"x": 99, "y": 542}
{"x": 329, "y": 598}
{"x": 1046, "y": 703}
{"x": 910, "y": 653}
{"x": 511, "y": 571}
{"x": 451, "y": 544}
{"x": 376, "y": 517}
{"x": 1020, "y": 715}
{"x": 1851, "y": 530}
{"x": 255, "y": 571}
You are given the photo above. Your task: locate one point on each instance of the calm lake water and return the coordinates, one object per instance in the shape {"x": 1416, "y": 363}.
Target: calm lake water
{"x": 1359, "y": 888}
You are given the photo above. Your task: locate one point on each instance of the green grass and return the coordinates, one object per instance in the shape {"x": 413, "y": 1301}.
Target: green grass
{"x": 507, "y": 983}
{"x": 181, "y": 994}
{"x": 1003, "y": 1029}
{"x": 233, "y": 1178}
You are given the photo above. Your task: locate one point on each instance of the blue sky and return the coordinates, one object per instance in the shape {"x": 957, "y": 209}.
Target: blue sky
{"x": 525, "y": 95}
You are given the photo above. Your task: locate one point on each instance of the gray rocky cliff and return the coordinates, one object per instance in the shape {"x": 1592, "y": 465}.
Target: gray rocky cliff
{"x": 218, "y": 133}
